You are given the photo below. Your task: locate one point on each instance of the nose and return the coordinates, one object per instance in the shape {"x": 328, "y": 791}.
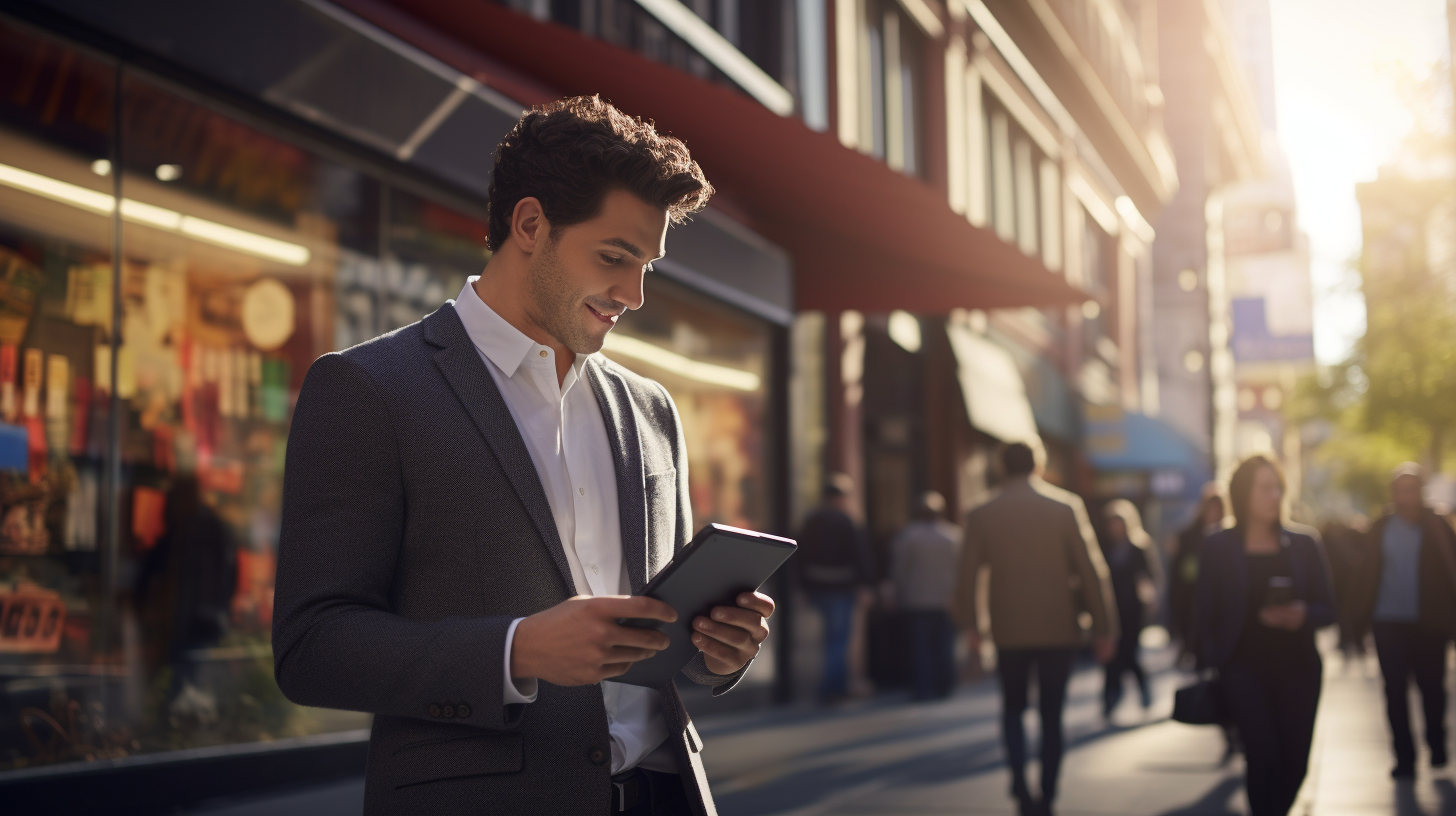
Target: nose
{"x": 629, "y": 292}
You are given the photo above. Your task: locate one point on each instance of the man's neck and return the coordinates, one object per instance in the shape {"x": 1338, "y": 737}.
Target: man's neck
{"x": 499, "y": 289}
{"x": 1410, "y": 516}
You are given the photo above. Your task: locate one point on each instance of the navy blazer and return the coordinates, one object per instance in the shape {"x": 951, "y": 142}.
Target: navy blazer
{"x": 1223, "y": 590}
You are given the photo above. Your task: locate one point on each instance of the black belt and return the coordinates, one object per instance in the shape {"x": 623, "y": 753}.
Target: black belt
{"x": 639, "y": 786}
{"x": 629, "y": 789}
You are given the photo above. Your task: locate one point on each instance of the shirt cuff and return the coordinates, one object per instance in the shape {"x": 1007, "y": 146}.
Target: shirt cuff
{"x": 516, "y": 691}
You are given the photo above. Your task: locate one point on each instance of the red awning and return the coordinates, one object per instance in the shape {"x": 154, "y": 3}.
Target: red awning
{"x": 862, "y": 236}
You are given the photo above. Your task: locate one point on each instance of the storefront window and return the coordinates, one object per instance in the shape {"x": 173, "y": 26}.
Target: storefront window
{"x": 714, "y": 362}
{"x": 243, "y": 258}
{"x": 56, "y": 235}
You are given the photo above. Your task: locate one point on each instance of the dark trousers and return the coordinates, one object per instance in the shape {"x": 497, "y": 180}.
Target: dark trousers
{"x": 1123, "y": 662}
{"x": 657, "y": 794}
{"x": 932, "y": 642}
{"x": 1407, "y": 651}
{"x": 1053, "y": 669}
{"x": 1274, "y": 708}
{"x": 837, "y": 609}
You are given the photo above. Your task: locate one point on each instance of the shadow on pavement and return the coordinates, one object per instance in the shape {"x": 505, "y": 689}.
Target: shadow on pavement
{"x": 1213, "y": 803}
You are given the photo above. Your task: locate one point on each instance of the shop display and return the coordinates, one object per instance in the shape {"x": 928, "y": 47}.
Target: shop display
{"x": 31, "y": 619}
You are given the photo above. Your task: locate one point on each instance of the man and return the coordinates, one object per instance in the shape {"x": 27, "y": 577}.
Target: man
{"x": 1407, "y": 598}
{"x": 923, "y": 562}
{"x": 834, "y": 568}
{"x": 469, "y": 501}
{"x": 1045, "y": 567}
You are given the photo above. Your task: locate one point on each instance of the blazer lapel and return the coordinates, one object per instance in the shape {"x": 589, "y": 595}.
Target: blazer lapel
{"x": 459, "y": 361}
{"x": 621, "y": 421}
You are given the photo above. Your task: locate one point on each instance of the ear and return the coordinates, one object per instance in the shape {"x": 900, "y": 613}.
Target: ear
{"x": 529, "y": 226}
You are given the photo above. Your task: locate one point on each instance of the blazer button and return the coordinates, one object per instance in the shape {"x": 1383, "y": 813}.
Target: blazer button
{"x": 434, "y": 709}
{"x": 448, "y": 711}
{"x": 597, "y": 756}
{"x": 462, "y": 711}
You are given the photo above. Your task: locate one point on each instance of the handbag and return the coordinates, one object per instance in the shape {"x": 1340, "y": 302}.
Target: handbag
{"x": 1200, "y": 703}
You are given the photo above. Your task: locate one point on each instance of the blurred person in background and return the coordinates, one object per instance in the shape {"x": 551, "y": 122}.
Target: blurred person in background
{"x": 1136, "y": 574}
{"x": 1263, "y": 590}
{"x": 1344, "y": 546}
{"x": 1045, "y": 570}
{"x": 1208, "y": 520}
{"x": 923, "y": 561}
{"x": 834, "y": 569}
{"x": 1406, "y": 597}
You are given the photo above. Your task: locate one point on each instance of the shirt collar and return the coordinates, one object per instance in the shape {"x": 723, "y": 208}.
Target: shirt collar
{"x": 504, "y": 344}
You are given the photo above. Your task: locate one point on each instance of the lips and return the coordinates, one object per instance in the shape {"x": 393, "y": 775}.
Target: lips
{"x": 610, "y": 320}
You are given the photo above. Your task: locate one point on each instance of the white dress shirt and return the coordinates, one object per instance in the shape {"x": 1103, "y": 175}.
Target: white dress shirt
{"x": 564, "y": 432}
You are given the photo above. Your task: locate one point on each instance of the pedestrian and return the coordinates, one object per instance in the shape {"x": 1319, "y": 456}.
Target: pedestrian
{"x": 467, "y": 501}
{"x": 1046, "y": 570}
{"x": 1407, "y": 599}
{"x": 923, "y": 562}
{"x": 1136, "y": 574}
{"x": 1345, "y": 548}
{"x": 1263, "y": 590}
{"x": 834, "y": 568}
{"x": 1208, "y": 520}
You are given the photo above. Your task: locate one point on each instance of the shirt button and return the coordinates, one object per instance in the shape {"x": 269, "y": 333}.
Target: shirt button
{"x": 595, "y": 569}
{"x": 543, "y": 352}
{"x": 581, "y": 491}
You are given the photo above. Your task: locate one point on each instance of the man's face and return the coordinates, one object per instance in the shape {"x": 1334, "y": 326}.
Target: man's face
{"x": 583, "y": 277}
{"x": 1405, "y": 493}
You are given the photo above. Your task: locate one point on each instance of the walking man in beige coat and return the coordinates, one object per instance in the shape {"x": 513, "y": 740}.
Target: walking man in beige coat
{"x": 1046, "y": 575}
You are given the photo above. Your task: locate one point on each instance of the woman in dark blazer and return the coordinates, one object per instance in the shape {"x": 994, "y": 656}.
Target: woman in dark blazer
{"x": 1263, "y": 590}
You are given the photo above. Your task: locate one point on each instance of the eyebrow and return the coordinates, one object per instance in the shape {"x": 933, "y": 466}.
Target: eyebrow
{"x": 628, "y": 246}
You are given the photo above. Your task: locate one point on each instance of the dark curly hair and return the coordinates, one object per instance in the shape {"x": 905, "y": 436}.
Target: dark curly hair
{"x": 571, "y": 153}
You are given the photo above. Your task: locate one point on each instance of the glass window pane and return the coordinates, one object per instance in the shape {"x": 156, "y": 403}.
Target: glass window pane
{"x": 233, "y": 240}
{"x": 57, "y": 642}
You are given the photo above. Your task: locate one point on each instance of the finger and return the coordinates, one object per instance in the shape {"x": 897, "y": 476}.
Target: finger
{"x": 636, "y": 638}
{"x": 636, "y": 606}
{"x": 618, "y": 654}
{"x": 742, "y": 618}
{"x": 713, "y": 647}
{"x": 615, "y": 669}
{"x": 732, "y": 635}
{"x": 758, "y": 602}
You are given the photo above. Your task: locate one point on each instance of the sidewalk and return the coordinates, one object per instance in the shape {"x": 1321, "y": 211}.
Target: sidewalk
{"x": 890, "y": 757}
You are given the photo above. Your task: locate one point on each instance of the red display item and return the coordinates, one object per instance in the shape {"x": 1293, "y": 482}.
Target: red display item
{"x": 31, "y": 620}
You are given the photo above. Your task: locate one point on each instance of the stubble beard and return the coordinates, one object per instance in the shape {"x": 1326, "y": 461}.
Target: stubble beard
{"x": 558, "y": 306}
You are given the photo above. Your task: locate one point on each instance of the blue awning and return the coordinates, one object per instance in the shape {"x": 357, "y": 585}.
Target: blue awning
{"x": 1125, "y": 440}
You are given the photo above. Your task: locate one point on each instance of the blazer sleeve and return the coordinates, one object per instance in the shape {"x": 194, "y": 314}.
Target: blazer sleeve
{"x": 1206, "y": 595}
{"x": 336, "y": 641}
{"x": 1320, "y": 600}
{"x": 1090, "y": 565}
{"x": 697, "y": 669}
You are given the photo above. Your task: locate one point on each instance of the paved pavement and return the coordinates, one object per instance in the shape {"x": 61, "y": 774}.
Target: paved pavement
{"x": 889, "y": 757}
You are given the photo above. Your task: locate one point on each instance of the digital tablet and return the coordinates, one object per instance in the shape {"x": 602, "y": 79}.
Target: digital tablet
{"x": 712, "y": 570}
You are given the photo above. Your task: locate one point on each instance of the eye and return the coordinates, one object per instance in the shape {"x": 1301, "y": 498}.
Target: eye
{"x": 611, "y": 260}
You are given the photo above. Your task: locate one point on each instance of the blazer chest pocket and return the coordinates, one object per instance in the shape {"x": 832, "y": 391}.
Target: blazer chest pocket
{"x": 661, "y": 519}
{"x": 451, "y": 758}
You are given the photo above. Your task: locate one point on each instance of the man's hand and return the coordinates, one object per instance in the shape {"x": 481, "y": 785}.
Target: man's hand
{"x": 1103, "y": 647}
{"x": 1289, "y": 617}
{"x": 733, "y": 636}
{"x": 973, "y": 644}
{"x": 579, "y": 642}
